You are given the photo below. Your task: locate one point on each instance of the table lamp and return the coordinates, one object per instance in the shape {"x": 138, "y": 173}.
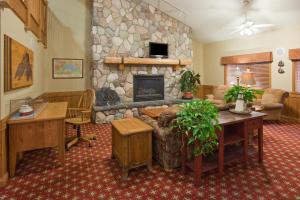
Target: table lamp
{"x": 247, "y": 78}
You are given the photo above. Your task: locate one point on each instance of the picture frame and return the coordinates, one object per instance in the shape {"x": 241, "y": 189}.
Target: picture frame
{"x": 18, "y": 65}
{"x": 67, "y": 68}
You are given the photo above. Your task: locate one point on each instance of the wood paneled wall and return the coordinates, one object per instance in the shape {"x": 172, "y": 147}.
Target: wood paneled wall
{"x": 71, "y": 97}
{"x": 3, "y": 153}
{"x": 204, "y": 90}
{"x": 292, "y": 107}
{"x": 33, "y": 13}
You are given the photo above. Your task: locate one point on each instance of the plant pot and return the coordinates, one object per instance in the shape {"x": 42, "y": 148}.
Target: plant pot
{"x": 187, "y": 95}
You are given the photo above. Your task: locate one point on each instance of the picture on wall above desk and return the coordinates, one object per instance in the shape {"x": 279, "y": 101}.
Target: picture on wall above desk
{"x": 63, "y": 68}
{"x": 18, "y": 65}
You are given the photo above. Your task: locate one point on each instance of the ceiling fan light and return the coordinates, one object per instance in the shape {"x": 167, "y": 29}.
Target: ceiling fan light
{"x": 242, "y": 33}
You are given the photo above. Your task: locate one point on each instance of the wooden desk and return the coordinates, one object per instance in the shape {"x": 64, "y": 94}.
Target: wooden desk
{"x": 47, "y": 129}
{"x": 235, "y": 128}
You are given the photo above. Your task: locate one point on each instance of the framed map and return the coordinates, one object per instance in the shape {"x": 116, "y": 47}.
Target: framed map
{"x": 18, "y": 65}
{"x": 63, "y": 68}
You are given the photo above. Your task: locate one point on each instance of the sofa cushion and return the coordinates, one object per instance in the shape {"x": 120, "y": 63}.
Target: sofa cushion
{"x": 271, "y": 96}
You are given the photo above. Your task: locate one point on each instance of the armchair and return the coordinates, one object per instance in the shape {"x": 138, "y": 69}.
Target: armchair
{"x": 80, "y": 116}
{"x": 272, "y": 103}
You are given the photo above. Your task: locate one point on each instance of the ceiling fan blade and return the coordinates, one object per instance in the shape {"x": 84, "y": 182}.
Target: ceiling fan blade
{"x": 235, "y": 31}
{"x": 263, "y": 25}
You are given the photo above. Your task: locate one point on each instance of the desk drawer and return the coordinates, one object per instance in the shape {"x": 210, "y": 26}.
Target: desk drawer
{"x": 254, "y": 123}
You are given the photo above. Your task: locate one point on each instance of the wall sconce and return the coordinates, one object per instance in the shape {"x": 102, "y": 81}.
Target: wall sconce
{"x": 281, "y": 65}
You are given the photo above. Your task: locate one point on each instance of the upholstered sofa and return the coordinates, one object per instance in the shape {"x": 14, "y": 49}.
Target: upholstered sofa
{"x": 166, "y": 142}
{"x": 272, "y": 103}
{"x": 217, "y": 96}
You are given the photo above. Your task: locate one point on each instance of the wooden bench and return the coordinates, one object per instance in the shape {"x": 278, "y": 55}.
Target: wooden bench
{"x": 132, "y": 144}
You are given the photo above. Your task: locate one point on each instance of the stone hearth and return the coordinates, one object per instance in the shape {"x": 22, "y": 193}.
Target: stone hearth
{"x": 125, "y": 28}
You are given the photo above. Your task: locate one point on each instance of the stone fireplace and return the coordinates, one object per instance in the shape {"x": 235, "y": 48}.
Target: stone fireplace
{"x": 125, "y": 28}
{"x": 148, "y": 87}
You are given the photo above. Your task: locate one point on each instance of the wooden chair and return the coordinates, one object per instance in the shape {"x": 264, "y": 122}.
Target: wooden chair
{"x": 79, "y": 116}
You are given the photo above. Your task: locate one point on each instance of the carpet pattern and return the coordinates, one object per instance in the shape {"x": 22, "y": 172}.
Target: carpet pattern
{"x": 89, "y": 173}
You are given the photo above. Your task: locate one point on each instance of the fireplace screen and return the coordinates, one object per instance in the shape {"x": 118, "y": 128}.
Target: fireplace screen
{"x": 148, "y": 87}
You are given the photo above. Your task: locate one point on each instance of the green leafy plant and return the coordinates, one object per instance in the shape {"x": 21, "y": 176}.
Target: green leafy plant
{"x": 198, "y": 120}
{"x": 189, "y": 81}
{"x": 249, "y": 95}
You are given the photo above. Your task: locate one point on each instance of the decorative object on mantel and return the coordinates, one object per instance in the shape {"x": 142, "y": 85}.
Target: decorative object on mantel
{"x": 188, "y": 83}
{"x": 106, "y": 97}
{"x": 281, "y": 65}
{"x": 63, "y": 68}
{"x": 242, "y": 96}
{"x": 122, "y": 61}
{"x": 18, "y": 65}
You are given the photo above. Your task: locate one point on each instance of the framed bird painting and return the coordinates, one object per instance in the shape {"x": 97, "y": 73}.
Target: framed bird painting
{"x": 18, "y": 65}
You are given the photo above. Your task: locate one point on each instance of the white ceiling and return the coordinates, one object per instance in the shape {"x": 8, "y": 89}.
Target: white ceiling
{"x": 213, "y": 20}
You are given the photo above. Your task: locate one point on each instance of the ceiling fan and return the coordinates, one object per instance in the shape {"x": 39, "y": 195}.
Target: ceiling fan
{"x": 248, "y": 27}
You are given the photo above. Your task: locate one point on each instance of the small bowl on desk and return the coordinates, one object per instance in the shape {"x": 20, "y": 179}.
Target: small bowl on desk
{"x": 25, "y": 110}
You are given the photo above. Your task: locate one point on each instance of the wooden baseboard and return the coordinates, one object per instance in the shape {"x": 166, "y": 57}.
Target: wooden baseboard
{"x": 292, "y": 119}
{"x": 4, "y": 179}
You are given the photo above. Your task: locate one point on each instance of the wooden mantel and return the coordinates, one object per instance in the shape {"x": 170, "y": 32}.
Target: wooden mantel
{"x": 122, "y": 61}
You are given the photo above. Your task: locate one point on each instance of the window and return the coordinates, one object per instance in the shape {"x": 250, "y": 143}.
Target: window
{"x": 296, "y": 86}
{"x": 261, "y": 73}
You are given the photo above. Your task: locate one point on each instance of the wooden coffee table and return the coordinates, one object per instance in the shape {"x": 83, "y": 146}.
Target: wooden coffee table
{"x": 132, "y": 144}
{"x": 235, "y": 128}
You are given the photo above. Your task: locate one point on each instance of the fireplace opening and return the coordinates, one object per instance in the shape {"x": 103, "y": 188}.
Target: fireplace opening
{"x": 148, "y": 87}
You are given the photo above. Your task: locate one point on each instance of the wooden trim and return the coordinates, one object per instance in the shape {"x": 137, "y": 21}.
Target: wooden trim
{"x": 30, "y": 13}
{"x": 294, "y": 54}
{"x": 185, "y": 62}
{"x": 294, "y": 76}
{"x": 113, "y": 60}
{"x": 149, "y": 61}
{"x": 122, "y": 61}
{"x": 248, "y": 58}
{"x": 3, "y": 152}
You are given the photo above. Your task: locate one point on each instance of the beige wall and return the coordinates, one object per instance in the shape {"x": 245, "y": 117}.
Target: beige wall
{"x": 14, "y": 28}
{"x": 198, "y": 58}
{"x": 287, "y": 38}
{"x": 69, "y": 36}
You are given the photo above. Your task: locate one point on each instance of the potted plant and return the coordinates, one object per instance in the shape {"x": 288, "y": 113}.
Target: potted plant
{"x": 198, "y": 121}
{"x": 241, "y": 95}
{"x": 188, "y": 83}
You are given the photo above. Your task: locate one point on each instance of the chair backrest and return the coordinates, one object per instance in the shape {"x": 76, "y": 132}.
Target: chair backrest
{"x": 87, "y": 100}
{"x": 274, "y": 96}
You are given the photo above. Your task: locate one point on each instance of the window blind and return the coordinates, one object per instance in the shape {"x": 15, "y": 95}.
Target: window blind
{"x": 261, "y": 73}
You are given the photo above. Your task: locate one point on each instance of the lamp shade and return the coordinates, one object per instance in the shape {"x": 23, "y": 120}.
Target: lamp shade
{"x": 247, "y": 78}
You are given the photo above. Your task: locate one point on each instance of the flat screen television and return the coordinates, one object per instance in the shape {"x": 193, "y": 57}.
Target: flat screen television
{"x": 158, "y": 50}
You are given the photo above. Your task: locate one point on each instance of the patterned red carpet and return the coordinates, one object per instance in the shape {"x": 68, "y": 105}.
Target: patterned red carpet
{"x": 91, "y": 174}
